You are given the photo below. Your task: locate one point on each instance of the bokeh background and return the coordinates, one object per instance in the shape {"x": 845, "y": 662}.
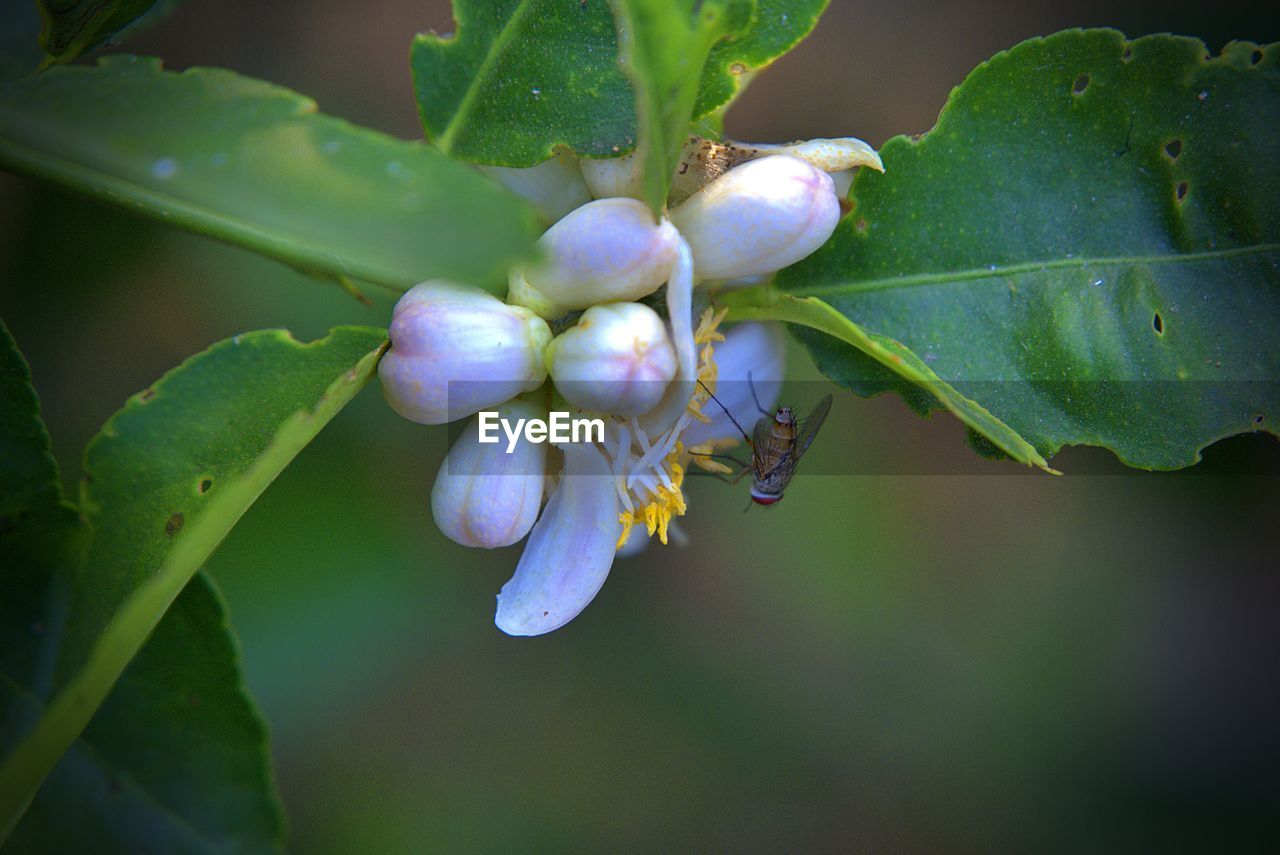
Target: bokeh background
{"x": 905, "y": 662}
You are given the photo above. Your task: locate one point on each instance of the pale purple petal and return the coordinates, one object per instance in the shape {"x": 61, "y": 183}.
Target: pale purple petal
{"x": 569, "y": 552}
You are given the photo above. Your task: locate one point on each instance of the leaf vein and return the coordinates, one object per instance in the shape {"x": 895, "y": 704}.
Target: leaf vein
{"x": 889, "y": 283}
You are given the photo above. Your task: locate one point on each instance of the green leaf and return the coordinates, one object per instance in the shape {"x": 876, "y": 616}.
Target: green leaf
{"x": 522, "y": 77}
{"x": 1087, "y": 244}
{"x": 42, "y": 540}
{"x": 176, "y": 757}
{"x": 73, "y": 27}
{"x": 900, "y": 362}
{"x": 253, "y": 164}
{"x": 664, "y": 46}
{"x": 777, "y": 27}
{"x": 165, "y": 480}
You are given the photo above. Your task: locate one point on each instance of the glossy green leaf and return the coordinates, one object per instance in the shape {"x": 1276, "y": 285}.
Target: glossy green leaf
{"x": 73, "y": 27}
{"x": 1087, "y": 245}
{"x": 165, "y": 480}
{"x": 42, "y": 541}
{"x": 776, "y": 27}
{"x": 254, "y": 164}
{"x": 521, "y": 77}
{"x": 176, "y": 757}
{"x": 899, "y": 362}
{"x": 664, "y": 45}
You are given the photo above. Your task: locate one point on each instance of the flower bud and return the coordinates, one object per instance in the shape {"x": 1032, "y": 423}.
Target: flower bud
{"x": 456, "y": 350}
{"x": 617, "y": 359}
{"x": 614, "y": 176}
{"x": 758, "y": 217}
{"x": 483, "y": 495}
{"x": 607, "y": 250}
{"x": 555, "y": 186}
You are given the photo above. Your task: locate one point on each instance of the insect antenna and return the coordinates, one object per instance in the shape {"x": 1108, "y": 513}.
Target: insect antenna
{"x": 751, "y": 384}
{"x": 726, "y": 410}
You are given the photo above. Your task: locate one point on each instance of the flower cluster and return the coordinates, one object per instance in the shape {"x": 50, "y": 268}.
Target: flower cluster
{"x": 607, "y": 315}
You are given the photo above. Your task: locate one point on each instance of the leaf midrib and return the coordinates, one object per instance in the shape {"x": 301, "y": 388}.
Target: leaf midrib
{"x": 288, "y": 249}
{"x": 916, "y": 280}
{"x": 445, "y": 142}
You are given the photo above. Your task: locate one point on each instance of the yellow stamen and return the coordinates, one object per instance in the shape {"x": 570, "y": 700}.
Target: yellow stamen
{"x": 627, "y": 524}
{"x": 666, "y": 502}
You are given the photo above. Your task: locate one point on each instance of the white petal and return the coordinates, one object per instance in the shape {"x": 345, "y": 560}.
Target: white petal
{"x": 484, "y": 496}
{"x": 569, "y": 552}
{"x": 614, "y": 176}
{"x": 680, "y": 316}
{"x": 750, "y": 350}
{"x": 555, "y": 186}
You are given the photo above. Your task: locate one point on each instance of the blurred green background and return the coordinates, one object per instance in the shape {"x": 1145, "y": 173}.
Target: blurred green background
{"x": 903, "y": 663}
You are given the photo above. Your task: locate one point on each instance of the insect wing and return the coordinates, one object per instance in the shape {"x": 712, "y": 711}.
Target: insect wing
{"x": 809, "y": 428}
{"x": 760, "y": 444}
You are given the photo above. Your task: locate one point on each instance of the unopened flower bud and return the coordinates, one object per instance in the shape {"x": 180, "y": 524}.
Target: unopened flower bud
{"x": 614, "y": 176}
{"x": 485, "y": 495}
{"x": 607, "y": 250}
{"x": 555, "y": 186}
{"x": 617, "y": 359}
{"x": 758, "y": 217}
{"x": 456, "y": 350}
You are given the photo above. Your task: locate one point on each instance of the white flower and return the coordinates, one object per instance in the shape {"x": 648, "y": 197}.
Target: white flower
{"x": 616, "y": 359}
{"x": 604, "y": 497}
{"x": 758, "y": 217}
{"x": 606, "y": 251}
{"x": 484, "y": 496}
{"x": 569, "y": 552}
{"x": 749, "y": 211}
{"x": 456, "y": 350}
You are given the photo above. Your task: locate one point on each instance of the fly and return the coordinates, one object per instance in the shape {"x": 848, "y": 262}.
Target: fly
{"x": 777, "y": 444}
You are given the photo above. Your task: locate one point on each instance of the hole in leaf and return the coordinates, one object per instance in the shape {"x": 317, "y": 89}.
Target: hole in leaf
{"x": 1127, "y": 55}
{"x": 1256, "y": 56}
{"x": 1257, "y": 420}
{"x": 1082, "y": 83}
{"x": 1157, "y": 323}
{"x": 205, "y": 484}
{"x": 1172, "y": 149}
{"x": 1182, "y": 190}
